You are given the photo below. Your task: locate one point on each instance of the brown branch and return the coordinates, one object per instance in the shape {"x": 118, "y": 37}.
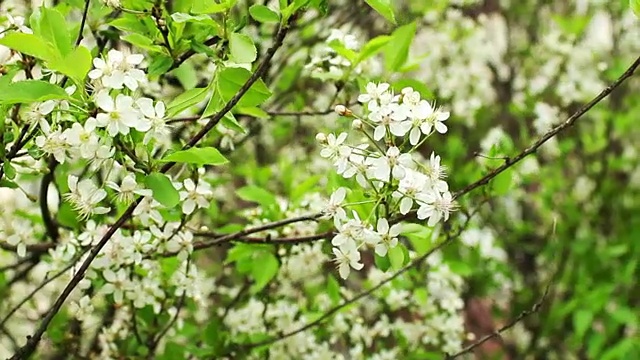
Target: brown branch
{"x": 292, "y": 240}
{"x": 241, "y": 234}
{"x": 31, "y": 248}
{"x": 329, "y": 313}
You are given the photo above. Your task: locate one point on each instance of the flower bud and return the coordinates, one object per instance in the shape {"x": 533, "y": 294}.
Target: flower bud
{"x": 343, "y": 111}
{"x": 321, "y": 137}
{"x": 357, "y": 124}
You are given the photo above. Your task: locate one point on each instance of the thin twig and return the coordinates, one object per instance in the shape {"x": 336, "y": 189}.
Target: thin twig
{"x": 273, "y": 225}
{"x": 38, "y": 288}
{"x": 509, "y": 162}
{"x": 329, "y": 313}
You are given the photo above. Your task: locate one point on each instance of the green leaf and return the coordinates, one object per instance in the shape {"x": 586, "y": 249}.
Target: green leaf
{"x": 635, "y": 7}
{"x": 419, "y": 236}
{"x": 75, "y": 65}
{"x": 29, "y": 44}
{"x": 348, "y": 54}
{"x": 229, "y": 121}
{"x": 67, "y": 216}
{"x": 163, "y": 190}
{"x": 198, "y": 156}
{"x": 213, "y": 333}
{"x": 29, "y": 91}
{"x": 8, "y": 184}
{"x": 265, "y": 268}
{"x": 255, "y": 112}
{"x": 186, "y": 100}
{"x": 502, "y": 183}
{"x": 373, "y": 47}
{"x": 230, "y": 80}
{"x": 242, "y": 49}
{"x": 417, "y": 85}
{"x": 208, "y": 7}
{"x": 54, "y": 29}
{"x": 263, "y": 14}
{"x": 159, "y": 65}
{"x": 382, "y": 262}
{"x": 9, "y": 170}
{"x": 384, "y": 8}
{"x": 396, "y": 257}
{"x": 321, "y": 5}
{"x": 143, "y": 42}
{"x": 187, "y": 75}
{"x": 130, "y": 23}
{"x": 582, "y": 320}
{"x": 333, "y": 288}
{"x": 397, "y": 50}
{"x": 182, "y": 17}
{"x": 256, "y": 194}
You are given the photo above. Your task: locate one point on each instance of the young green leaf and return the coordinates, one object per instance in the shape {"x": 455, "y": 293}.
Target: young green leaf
{"x": 29, "y": 91}
{"x": 384, "y": 8}
{"x": 75, "y": 65}
{"x": 143, "y": 42}
{"x": 67, "y": 216}
{"x": 396, "y": 257}
{"x": 198, "y": 156}
{"x": 28, "y": 44}
{"x": 263, "y": 14}
{"x": 159, "y": 64}
{"x": 635, "y": 7}
{"x": 257, "y": 194}
{"x": 397, "y": 50}
{"x": 231, "y": 80}
{"x": 372, "y": 47}
{"x": 242, "y": 49}
{"x": 53, "y": 28}
{"x": 186, "y": 100}
{"x": 265, "y": 267}
{"x": 208, "y": 7}
{"x": 502, "y": 183}
{"x": 163, "y": 190}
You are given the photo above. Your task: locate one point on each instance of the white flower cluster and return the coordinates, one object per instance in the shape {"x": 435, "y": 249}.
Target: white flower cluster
{"x": 387, "y": 166}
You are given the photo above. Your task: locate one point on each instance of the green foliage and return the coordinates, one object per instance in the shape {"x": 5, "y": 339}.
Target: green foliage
{"x": 258, "y": 195}
{"x": 263, "y": 14}
{"x": 186, "y": 100}
{"x": 384, "y": 8}
{"x": 198, "y": 156}
{"x": 230, "y": 80}
{"x": 242, "y": 48}
{"x": 29, "y": 91}
{"x": 397, "y": 49}
{"x": 635, "y": 7}
{"x": 163, "y": 190}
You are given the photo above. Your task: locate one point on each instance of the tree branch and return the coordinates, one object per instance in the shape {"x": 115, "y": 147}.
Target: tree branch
{"x": 551, "y": 133}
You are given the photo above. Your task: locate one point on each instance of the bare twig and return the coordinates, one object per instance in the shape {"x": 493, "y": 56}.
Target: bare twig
{"x": 509, "y": 162}
{"x": 329, "y": 313}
